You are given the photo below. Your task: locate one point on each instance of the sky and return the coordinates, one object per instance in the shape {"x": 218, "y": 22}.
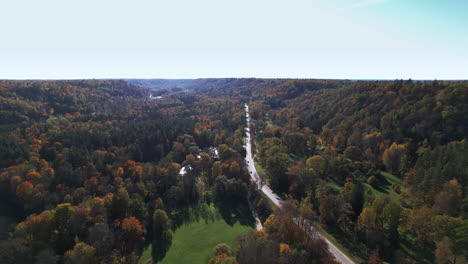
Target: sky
{"x": 335, "y": 39}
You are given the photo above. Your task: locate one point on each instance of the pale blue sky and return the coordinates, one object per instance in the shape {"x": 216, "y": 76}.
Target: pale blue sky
{"x": 358, "y": 39}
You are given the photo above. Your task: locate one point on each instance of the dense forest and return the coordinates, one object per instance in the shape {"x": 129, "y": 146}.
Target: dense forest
{"x": 92, "y": 167}
{"x": 381, "y": 163}
{"x": 95, "y": 171}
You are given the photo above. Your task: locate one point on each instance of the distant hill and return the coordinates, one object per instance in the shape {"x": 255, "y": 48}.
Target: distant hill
{"x": 159, "y": 83}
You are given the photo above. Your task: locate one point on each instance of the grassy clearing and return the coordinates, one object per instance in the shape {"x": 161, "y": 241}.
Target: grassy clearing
{"x": 194, "y": 239}
{"x": 146, "y": 255}
{"x": 384, "y": 187}
{"x": 392, "y": 179}
{"x": 335, "y": 187}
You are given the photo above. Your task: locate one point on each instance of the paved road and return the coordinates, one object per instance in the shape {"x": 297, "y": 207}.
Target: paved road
{"x": 340, "y": 256}
{"x": 250, "y": 163}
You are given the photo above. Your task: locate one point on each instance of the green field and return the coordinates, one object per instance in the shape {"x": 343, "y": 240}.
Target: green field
{"x": 194, "y": 239}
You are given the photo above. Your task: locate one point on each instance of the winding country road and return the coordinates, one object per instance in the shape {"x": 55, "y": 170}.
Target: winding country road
{"x": 339, "y": 256}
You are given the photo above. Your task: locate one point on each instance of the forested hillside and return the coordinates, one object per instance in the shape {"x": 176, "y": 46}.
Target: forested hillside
{"x": 383, "y": 162}
{"x": 92, "y": 169}
{"x": 97, "y": 171}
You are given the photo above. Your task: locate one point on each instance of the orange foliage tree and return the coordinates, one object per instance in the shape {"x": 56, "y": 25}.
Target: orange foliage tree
{"x": 24, "y": 190}
{"x": 132, "y": 233}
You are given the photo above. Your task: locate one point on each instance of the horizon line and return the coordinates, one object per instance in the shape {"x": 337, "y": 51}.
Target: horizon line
{"x": 204, "y": 78}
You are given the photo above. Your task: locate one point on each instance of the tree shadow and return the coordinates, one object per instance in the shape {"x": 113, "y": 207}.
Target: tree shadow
{"x": 230, "y": 212}
{"x": 381, "y": 189}
{"x": 193, "y": 213}
{"x": 159, "y": 248}
{"x": 233, "y": 212}
{"x": 383, "y": 185}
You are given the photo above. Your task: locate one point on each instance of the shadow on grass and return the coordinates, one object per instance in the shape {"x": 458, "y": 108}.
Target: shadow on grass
{"x": 230, "y": 212}
{"x": 233, "y": 212}
{"x": 381, "y": 189}
{"x": 383, "y": 185}
{"x": 160, "y": 247}
{"x": 194, "y": 213}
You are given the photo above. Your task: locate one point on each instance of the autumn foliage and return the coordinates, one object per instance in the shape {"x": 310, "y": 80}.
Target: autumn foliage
{"x": 93, "y": 167}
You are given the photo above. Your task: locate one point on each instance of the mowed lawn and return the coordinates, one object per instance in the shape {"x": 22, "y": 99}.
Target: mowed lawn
{"x": 194, "y": 240}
